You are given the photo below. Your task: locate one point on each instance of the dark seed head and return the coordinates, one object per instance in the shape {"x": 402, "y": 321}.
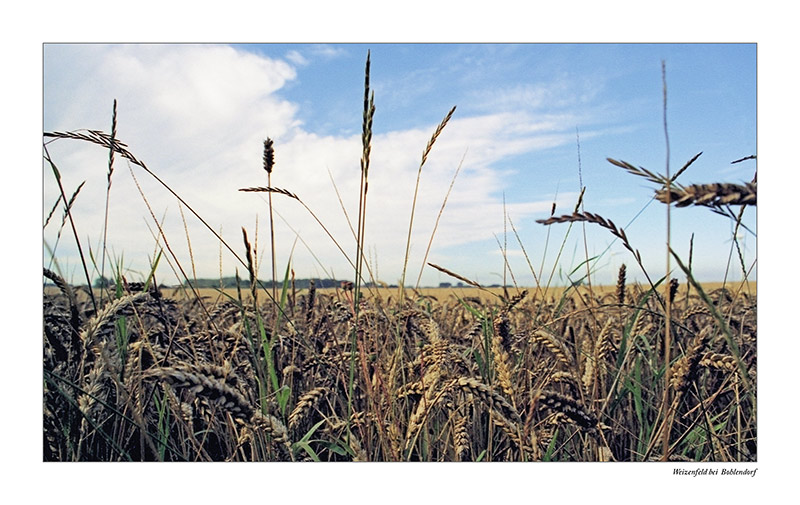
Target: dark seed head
{"x": 269, "y": 155}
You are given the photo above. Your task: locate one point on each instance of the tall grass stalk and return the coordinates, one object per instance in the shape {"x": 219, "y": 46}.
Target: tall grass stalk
{"x": 67, "y": 206}
{"x": 438, "y": 218}
{"x": 668, "y": 319}
{"x": 189, "y": 245}
{"x": 583, "y": 226}
{"x": 352, "y": 230}
{"x": 425, "y": 154}
{"x": 366, "y": 146}
{"x": 72, "y": 224}
{"x": 104, "y": 139}
{"x": 108, "y": 195}
{"x": 269, "y": 162}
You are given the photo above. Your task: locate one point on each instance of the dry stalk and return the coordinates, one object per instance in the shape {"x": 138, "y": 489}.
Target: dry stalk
{"x": 710, "y": 195}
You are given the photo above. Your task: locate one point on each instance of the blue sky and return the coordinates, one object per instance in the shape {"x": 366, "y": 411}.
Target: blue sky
{"x": 197, "y": 116}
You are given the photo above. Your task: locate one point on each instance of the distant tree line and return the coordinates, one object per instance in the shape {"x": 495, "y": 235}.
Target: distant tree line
{"x": 450, "y": 285}
{"x": 230, "y": 282}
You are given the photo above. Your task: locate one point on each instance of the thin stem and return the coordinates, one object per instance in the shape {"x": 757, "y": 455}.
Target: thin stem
{"x": 108, "y": 193}
{"x": 668, "y": 323}
{"x": 439, "y": 217}
{"x": 272, "y": 245}
{"x": 269, "y": 163}
{"x": 72, "y": 224}
{"x": 366, "y": 139}
{"x": 416, "y": 192}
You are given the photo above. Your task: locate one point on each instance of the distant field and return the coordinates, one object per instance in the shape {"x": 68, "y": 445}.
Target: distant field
{"x": 489, "y": 295}
{"x": 442, "y": 294}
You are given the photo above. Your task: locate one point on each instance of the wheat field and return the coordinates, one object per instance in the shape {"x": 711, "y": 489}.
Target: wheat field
{"x": 658, "y": 371}
{"x": 570, "y": 378}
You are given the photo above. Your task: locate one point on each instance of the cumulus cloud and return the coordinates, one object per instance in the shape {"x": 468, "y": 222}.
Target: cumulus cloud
{"x": 198, "y": 115}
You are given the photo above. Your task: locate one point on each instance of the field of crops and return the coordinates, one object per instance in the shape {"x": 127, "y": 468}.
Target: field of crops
{"x": 453, "y": 377}
{"x": 662, "y": 370}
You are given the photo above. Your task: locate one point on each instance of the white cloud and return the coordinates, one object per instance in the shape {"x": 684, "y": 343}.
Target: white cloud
{"x": 197, "y": 116}
{"x": 296, "y": 58}
{"x": 327, "y": 51}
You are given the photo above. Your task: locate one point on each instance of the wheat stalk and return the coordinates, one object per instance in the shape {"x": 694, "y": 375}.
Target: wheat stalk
{"x": 457, "y": 276}
{"x": 461, "y": 438}
{"x": 597, "y": 219}
{"x": 621, "y": 285}
{"x": 684, "y": 371}
{"x": 502, "y": 360}
{"x": 208, "y": 381}
{"x": 709, "y": 195}
{"x": 718, "y": 361}
{"x": 493, "y": 399}
{"x": 263, "y": 189}
{"x": 273, "y": 427}
{"x": 570, "y": 407}
{"x": 304, "y": 404}
{"x": 555, "y": 346}
{"x": 416, "y": 190}
{"x": 269, "y": 162}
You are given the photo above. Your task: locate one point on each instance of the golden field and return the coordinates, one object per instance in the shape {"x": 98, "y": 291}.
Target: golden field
{"x": 442, "y": 375}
